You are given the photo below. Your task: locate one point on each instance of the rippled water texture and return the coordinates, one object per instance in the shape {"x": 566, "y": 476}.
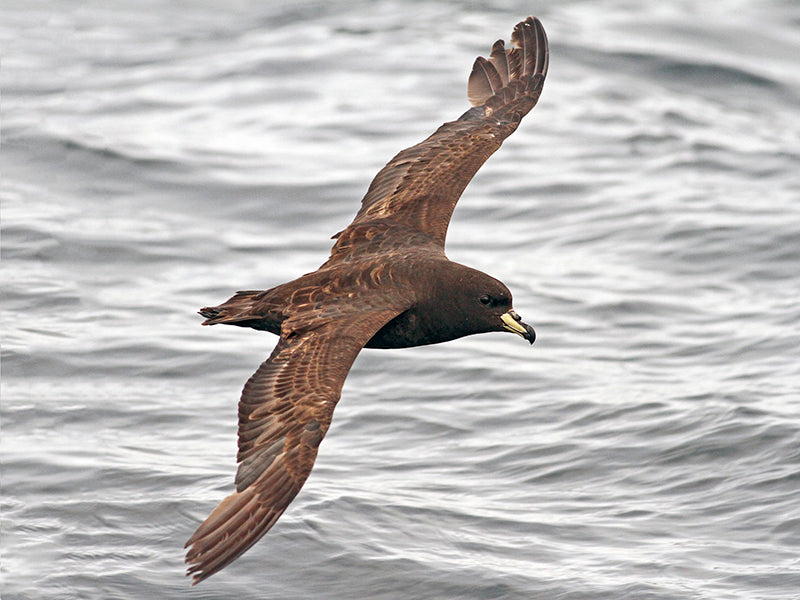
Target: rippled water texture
{"x": 158, "y": 156}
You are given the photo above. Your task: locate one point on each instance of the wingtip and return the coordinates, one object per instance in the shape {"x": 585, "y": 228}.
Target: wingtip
{"x": 511, "y": 77}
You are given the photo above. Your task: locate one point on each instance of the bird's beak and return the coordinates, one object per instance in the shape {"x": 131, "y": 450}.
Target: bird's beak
{"x": 513, "y": 322}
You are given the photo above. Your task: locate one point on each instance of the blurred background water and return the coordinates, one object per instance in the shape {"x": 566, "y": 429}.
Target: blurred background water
{"x": 158, "y": 156}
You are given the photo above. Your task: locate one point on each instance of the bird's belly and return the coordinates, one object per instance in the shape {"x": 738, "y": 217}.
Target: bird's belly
{"x": 405, "y": 331}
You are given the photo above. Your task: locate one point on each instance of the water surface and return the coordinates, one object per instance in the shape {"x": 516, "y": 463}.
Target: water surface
{"x": 158, "y": 157}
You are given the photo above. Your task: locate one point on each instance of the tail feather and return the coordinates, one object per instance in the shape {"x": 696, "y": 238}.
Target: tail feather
{"x": 242, "y": 307}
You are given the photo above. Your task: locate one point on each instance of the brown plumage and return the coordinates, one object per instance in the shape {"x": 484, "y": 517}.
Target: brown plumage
{"x": 386, "y": 284}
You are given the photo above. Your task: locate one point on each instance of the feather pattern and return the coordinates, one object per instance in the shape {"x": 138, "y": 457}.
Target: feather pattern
{"x": 284, "y": 412}
{"x": 499, "y": 59}
{"x": 387, "y": 284}
{"x": 420, "y": 186}
{"x": 484, "y": 82}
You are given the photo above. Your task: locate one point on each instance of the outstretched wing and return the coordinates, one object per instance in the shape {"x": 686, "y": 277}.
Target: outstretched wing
{"x": 421, "y": 185}
{"x": 284, "y": 412}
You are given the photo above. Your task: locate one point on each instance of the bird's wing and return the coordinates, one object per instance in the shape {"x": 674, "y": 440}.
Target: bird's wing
{"x": 284, "y": 412}
{"x": 421, "y": 185}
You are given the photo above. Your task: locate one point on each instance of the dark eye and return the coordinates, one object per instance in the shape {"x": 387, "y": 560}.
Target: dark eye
{"x": 485, "y": 299}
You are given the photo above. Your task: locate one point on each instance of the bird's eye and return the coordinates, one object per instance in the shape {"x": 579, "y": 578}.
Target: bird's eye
{"x": 485, "y": 299}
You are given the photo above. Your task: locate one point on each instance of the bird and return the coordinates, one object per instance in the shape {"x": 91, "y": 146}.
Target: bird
{"x": 386, "y": 284}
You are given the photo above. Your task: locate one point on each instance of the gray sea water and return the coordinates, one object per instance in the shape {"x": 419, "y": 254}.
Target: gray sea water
{"x": 158, "y": 156}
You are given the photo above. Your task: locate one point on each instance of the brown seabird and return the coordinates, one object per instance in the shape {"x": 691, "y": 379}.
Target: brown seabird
{"x": 386, "y": 284}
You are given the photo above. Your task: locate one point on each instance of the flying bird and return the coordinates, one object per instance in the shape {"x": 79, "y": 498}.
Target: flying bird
{"x": 386, "y": 284}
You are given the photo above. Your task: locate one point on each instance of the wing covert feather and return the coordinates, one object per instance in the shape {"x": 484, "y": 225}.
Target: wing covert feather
{"x": 422, "y": 184}
{"x": 284, "y": 412}
{"x": 286, "y": 406}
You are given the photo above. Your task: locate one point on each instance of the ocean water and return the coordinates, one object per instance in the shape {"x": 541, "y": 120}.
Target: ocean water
{"x": 158, "y": 156}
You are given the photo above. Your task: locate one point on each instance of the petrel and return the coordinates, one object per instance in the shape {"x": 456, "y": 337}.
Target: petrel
{"x": 386, "y": 284}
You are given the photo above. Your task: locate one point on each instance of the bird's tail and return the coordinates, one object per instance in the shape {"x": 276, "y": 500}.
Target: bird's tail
{"x": 237, "y": 310}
